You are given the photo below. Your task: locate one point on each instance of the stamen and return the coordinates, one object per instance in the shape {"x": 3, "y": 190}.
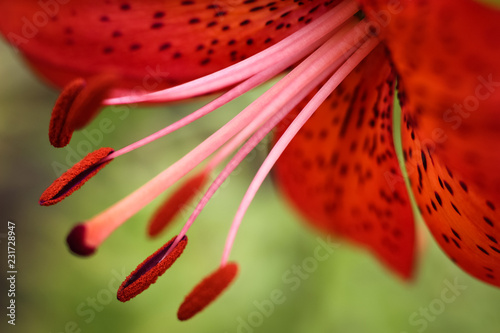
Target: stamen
{"x": 88, "y": 102}
{"x": 290, "y": 133}
{"x": 59, "y": 131}
{"x": 149, "y": 270}
{"x": 77, "y": 105}
{"x": 235, "y": 92}
{"x": 207, "y": 291}
{"x": 303, "y": 38}
{"x": 321, "y": 75}
{"x": 290, "y": 89}
{"x": 75, "y": 177}
{"x": 175, "y": 203}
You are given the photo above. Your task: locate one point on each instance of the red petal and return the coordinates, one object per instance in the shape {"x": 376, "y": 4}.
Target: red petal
{"x": 447, "y": 53}
{"x": 150, "y": 44}
{"x": 75, "y": 177}
{"x": 465, "y": 223}
{"x": 207, "y": 291}
{"x": 149, "y": 270}
{"x": 338, "y": 169}
{"x": 175, "y": 203}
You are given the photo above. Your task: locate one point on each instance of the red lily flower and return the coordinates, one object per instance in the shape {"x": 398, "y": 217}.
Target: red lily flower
{"x": 334, "y": 149}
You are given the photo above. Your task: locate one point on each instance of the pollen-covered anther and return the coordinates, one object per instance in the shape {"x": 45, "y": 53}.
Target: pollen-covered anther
{"x": 167, "y": 212}
{"x": 149, "y": 270}
{"x": 88, "y": 102}
{"x": 75, "y": 177}
{"x": 207, "y": 291}
{"x": 59, "y": 131}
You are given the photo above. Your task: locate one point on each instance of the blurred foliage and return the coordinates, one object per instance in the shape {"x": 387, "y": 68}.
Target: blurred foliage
{"x": 58, "y": 292}
{"x": 495, "y": 3}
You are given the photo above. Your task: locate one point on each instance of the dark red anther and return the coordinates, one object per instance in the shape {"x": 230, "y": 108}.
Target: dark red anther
{"x": 207, "y": 291}
{"x": 59, "y": 131}
{"x": 79, "y": 102}
{"x": 149, "y": 270}
{"x": 75, "y": 177}
{"x": 175, "y": 203}
{"x": 88, "y": 102}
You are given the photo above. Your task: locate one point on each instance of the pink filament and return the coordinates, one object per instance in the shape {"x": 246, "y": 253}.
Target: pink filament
{"x": 290, "y": 133}
{"x": 242, "y": 126}
{"x": 331, "y": 56}
{"x": 235, "y": 92}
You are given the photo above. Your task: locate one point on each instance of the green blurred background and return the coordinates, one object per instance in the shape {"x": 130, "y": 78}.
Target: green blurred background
{"x": 58, "y": 292}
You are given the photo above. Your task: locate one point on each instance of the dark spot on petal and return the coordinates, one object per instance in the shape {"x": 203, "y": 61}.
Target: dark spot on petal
{"x": 495, "y": 249}
{"x": 448, "y": 187}
{"x": 157, "y": 25}
{"x": 135, "y": 47}
{"x": 158, "y": 15}
{"x": 487, "y": 220}
{"x": 438, "y": 198}
{"x": 464, "y": 186}
{"x": 482, "y": 250}
{"x": 455, "y": 233}
{"x": 446, "y": 239}
{"x": 165, "y": 46}
{"x": 424, "y": 160}
{"x": 491, "y": 238}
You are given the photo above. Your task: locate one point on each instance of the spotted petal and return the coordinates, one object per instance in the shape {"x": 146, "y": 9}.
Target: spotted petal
{"x": 150, "y": 44}
{"x": 447, "y": 54}
{"x": 337, "y": 170}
